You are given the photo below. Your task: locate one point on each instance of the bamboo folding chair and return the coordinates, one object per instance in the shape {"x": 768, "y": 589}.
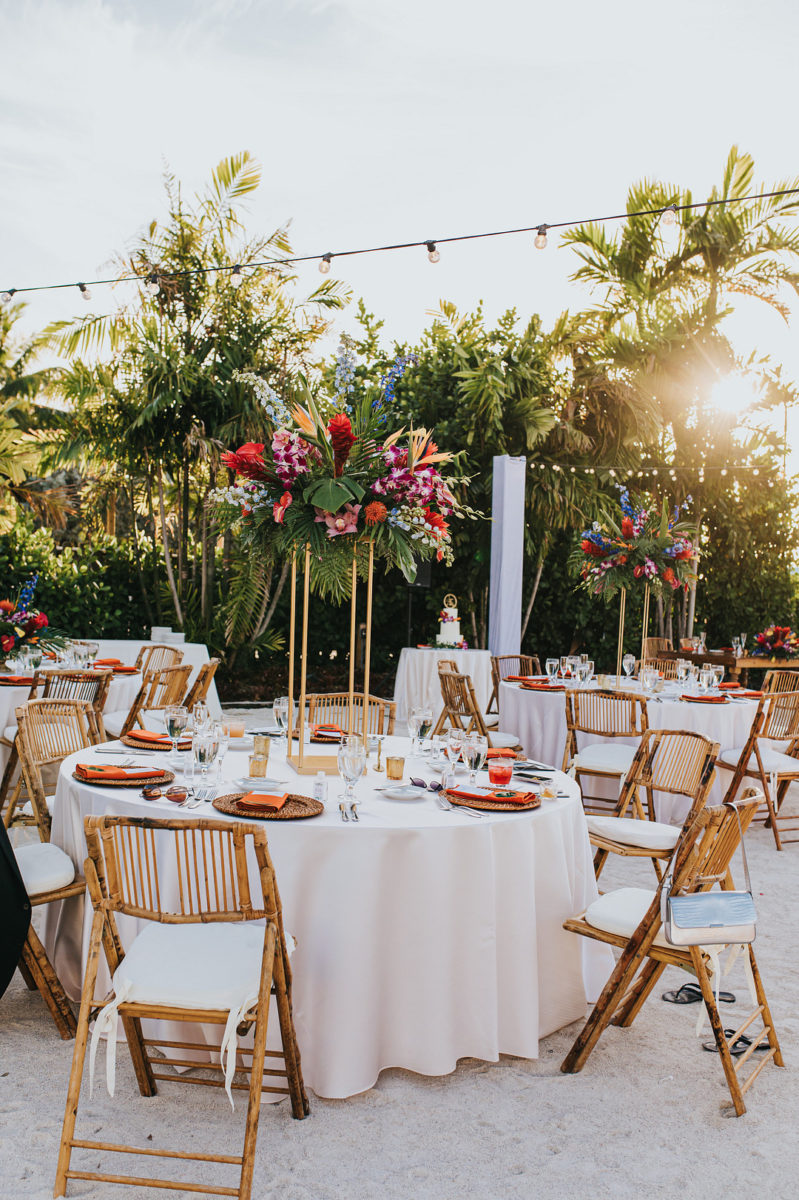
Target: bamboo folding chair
{"x": 666, "y": 666}
{"x": 154, "y": 658}
{"x": 51, "y": 684}
{"x": 49, "y": 875}
{"x": 503, "y": 665}
{"x": 776, "y": 720}
{"x": 653, "y": 645}
{"x": 667, "y": 762}
{"x": 630, "y": 920}
{"x": 199, "y": 689}
{"x": 159, "y": 689}
{"x": 128, "y": 863}
{"x": 47, "y": 732}
{"x": 780, "y": 681}
{"x": 332, "y": 708}
{"x": 462, "y": 711}
{"x": 607, "y": 714}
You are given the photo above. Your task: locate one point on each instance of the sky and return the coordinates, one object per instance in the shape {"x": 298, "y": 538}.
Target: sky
{"x": 378, "y": 121}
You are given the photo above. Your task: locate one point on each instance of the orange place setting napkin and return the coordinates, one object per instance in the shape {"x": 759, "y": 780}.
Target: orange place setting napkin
{"x": 731, "y": 684}
{"x": 155, "y": 739}
{"x": 544, "y": 687}
{"x": 523, "y": 678}
{"x": 257, "y": 800}
{"x": 16, "y": 680}
{"x": 108, "y": 662}
{"x": 749, "y": 695}
{"x": 705, "y": 699}
{"x": 125, "y": 670}
{"x": 92, "y": 773}
{"x": 500, "y": 754}
{"x": 500, "y": 795}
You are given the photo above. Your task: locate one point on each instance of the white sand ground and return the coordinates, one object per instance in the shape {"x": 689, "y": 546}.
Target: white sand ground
{"x": 648, "y": 1115}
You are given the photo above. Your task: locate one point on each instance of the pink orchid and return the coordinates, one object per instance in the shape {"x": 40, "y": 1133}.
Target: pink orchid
{"x": 343, "y": 521}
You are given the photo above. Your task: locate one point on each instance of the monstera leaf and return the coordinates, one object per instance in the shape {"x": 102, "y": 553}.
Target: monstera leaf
{"x": 333, "y": 494}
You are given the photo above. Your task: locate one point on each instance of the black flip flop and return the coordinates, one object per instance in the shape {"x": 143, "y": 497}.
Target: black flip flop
{"x": 691, "y": 993}
{"x": 738, "y": 1047}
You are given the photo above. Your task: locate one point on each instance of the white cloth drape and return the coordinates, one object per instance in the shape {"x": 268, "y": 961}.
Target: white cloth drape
{"x": 507, "y": 555}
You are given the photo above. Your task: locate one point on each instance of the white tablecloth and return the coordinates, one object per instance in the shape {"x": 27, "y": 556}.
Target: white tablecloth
{"x": 417, "y": 678}
{"x": 121, "y": 694}
{"x": 539, "y": 719}
{"x": 422, "y": 936}
{"x": 194, "y": 655}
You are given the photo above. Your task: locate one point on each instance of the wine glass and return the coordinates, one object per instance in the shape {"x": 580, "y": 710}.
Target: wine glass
{"x": 176, "y": 718}
{"x": 703, "y": 642}
{"x": 200, "y": 716}
{"x": 351, "y": 763}
{"x": 475, "y": 749}
{"x": 414, "y": 725}
{"x": 425, "y": 723}
{"x": 552, "y": 669}
{"x": 587, "y": 668}
{"x": 737, "y": 648}
{"x": 706, "y": 678}
{"x": 682, "y": 670}
{"x": 223, "y": 740}
{"x": 628, "y": 662}
{"x": 564, "y": 665}
{"x": 280, "y": 708}
{"x": 205, "y": 746}
{"x": 743, "y": 642}
{"x": 718, "y": 672}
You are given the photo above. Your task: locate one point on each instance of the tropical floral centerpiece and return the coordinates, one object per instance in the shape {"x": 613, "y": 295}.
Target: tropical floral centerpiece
{"x": 332, "y": 477}
{"x": 778, "y": 641}
{"x": 21, "y": 625}
{"x": 646, "y": 545}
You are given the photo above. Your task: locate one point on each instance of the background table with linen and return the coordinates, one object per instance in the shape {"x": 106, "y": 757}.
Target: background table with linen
{"x": 539, "y": 719}
{"x": 194, "y": 655}
{"x": 422, "y": 936}
{"x": 417, "y": 678}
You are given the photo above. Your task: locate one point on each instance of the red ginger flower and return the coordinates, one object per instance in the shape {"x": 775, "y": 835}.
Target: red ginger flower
{"x": 6, "y": 642}
{"x": 342, "y": 440}
{"x": 6, "y": 606}
{"x": 248, "y": 460}
{"x": 627, "y": 528}
{"x": 375, "y": 513}
{"x": 435, "y": 519}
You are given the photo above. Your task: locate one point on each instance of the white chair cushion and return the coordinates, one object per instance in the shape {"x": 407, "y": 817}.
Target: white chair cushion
{"x": 773, "y": 760}
{"x": 44, "y": 867}
{"x": 629, "y": 831}
{"x": 622, "y": 911}
{"x": 113, "y": 721}
{"x": 27, "y": 809}
{"x": 613, "y": 757}
{"x": 503, "y": 741}
{"x": 187, "y": 966}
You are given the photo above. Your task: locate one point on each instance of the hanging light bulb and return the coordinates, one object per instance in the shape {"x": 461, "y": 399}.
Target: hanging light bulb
{"x": 84, "y": 291}
{"x": 433, "y": 255}
{"x": 755, "y": 472}
{"x": 724, "y": 471}
{"x": 151, "y": 283}
{"x": 669, "y": 216}
{"x": 236, "y": 277}
{"x": 324, "y": 264}
{"x": 540, "y": 242}
{"x": 8, "y": 296}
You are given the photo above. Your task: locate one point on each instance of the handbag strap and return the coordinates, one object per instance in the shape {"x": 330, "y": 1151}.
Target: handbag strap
{"x": 668, "y": 874}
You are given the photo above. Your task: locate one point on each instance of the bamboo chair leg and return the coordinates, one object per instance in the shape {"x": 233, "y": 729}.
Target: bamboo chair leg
{"x": 718, "y": 1031}
{"x": 8, "y": 774}
{"x": 772, "y": 815}
{"x": 612, "y": 993}
{"x": 48, "y": 985}
{"x": 257, "y": 1068}
{"x": 8, "y": 816}
{"x": 78, "y": 1057}
{"x": 138, "y": 1054}
{"x": 24, "y": 971}
{"x": 761, "y": 999}
{"x": 638, "y": 994}
{"x": 300, "y": 1107}
{"x": 600, "y": 858}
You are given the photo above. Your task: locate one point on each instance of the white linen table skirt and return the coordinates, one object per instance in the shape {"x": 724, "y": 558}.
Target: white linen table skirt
{"x": 417, "y": 678}
{"x": 422, "y": 936}
{"x": 539, "y": 719}
{"x": 194, "y": 655}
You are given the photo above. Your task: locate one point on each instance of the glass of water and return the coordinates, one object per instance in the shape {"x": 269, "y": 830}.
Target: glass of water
{"x": 280, "y": 708}
{"x": 414, "y": 727}
{"x": 552, "y": 665}
{"x": 628, "y": 662}
{"x": 351, "y": 763}
{"x": 475, "y": 748}
{"x": 176, "y": 718}
{"x": 205, "y": 746}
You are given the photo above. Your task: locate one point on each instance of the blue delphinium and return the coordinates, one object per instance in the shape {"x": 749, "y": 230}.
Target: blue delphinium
{"x": 345, "y": 373}
{"x": 26, "y": 594}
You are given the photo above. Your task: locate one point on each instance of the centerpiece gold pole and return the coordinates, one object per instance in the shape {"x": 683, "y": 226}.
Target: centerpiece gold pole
{"x": 292, "y": 631}
{"x": 306, "y": 588}
{"x": 368, "y": 648}
{"x": 351, "y": 706}
{"x": 620, "y": 647}
{"x": 645, "y": 624}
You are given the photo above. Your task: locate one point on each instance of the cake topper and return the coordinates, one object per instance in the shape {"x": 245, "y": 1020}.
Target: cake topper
{"x": 450, "y": 601}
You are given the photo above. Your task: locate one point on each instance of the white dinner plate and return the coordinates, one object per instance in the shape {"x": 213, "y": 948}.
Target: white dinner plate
{"x": 240, "y": 743}
{"x": 405, "y": 793}
{"x": 253, "y": 783}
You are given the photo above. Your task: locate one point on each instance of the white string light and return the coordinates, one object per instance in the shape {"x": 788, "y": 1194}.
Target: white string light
{"x": 152, "y": 284}
{"x": 540, "y": 242}
{"x": 236, "y": 277}
{"x": 324, "y": 263}
{"x": 84, "y": 291}
{"x": 433, "y": 255}
{"x": 8, "y": 296}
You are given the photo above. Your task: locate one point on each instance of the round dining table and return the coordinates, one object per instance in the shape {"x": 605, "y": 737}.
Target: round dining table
{"x": 423, "y": 936}
{"x": 538, "y": 717}
{"x": 417, "y": 677}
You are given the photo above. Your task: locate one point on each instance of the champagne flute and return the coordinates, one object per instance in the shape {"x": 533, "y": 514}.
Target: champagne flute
{"x": 176, "y": 718}
{"x": 552, "y": 669}
{"x": 351, "y": 763}
{"x": 414, "y": 725}
{"x": 280, "y": 708}
{"x": 223, "y": 741}
{"x": 475, "y": 749}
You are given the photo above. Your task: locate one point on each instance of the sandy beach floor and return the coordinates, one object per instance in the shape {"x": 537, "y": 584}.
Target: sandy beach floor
{"x": 648, "y": 1115}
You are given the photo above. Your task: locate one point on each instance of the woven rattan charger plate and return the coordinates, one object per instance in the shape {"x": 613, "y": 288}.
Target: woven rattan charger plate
{"x": 132, "y": 741}
{"x": 296, "y": 808}
{"x": 494, "y": 805}
{"x": 161, "y": 777}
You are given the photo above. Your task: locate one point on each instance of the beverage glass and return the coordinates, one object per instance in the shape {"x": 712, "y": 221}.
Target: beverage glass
{"x": 718, "y": 672}
{"x": 564, "y": 665}
{"x": 628, "y": 662}
{"x": 395, "y": 767}
{"x": 743, "y": 642}
{"x": 706, "y": 679}
{"x": 425, "y": 723}
{"x": 205, "y": 747}
{"x": 737, "y": 648}
{"x": 414, "y": 725}
{"x": 682, "y": 670}
{"x": 35, "y": 656}
{"x": 455, "y": 740}
{"x": 200, "y": 716}
{"x": 351, "y": 763}
{"x": 439, "y": 749}
{"x": 588, "y": 670}
{"x": 280, "y": 708}
{"x": 223, "y": 738}
{"x": 552, "y": 669}
{"x": 500, "y": 772}
{"x": 176, "y": 718}
{"x": 475, "y": 749}
{"x": 703, "y": 641}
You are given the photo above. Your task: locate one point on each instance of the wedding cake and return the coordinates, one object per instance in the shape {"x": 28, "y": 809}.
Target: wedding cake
{"x": 449, "y": 628}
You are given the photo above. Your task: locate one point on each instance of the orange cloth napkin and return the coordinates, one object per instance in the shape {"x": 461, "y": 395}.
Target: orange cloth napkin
{"x": 749, "y": 695}
{"x": 523, "y": 678}
{"x": 256, "y": 800}
{"x": 97, "y": 773}
{"x": 500, "y": 754}
{"x": 731, "y": 684}
{"x": 156, "y": 739}
{"x": 108, "y": 662}
{"x": 16, "y": 680}
{"x": 125, "y": 670}
{"x": 500, "y": 795}
{"x": 545, "y": 687}
{"x": 705, "y": 699}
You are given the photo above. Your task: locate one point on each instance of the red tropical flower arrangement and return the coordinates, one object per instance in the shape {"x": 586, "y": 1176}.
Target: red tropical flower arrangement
{"x": 778, "y": 641}
{"x": 21, "y": 625}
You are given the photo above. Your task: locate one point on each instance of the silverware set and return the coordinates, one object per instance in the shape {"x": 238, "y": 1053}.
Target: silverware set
{"x": 349, "y": 811}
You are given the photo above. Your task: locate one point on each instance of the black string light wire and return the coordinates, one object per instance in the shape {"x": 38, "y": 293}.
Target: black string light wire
{"x": 668, "y": 214}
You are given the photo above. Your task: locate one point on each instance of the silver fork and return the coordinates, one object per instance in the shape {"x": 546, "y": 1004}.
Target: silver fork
{"x": 442, "y": 802}
{"x": 354, "y": 812}
{"x": 345, "y": 816}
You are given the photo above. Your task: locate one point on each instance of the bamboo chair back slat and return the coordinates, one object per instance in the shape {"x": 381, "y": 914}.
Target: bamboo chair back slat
{"x": 333, "y": 708}
{"x": 653, "y": 646}
{"x": 154, "y": 658}
{"x": 780, "y": 712}
{"x": 503, "y": 665}
{"x": 47, "y": 731}
{"x": 159, "y": 689}
{"x": 780, "y": 681}
{"x": 75, "y": 685}
{"x": 605, "y": 713}
{"x": 666, "y": 666}
{"x": 199, "y": 689}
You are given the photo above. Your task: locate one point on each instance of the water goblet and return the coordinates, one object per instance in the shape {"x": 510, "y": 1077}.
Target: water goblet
{"x": 414, "y": 725}
{"x": 425, "y": 723}
{"x": 280, "y": 709}
{"x": 552, "y": 665}
{"x": 706, "y": 679}
{"x": 176, "y": 718}
{"x": 205, "y": 747}
{"x": 718, "y": 672}
{"x": 628, "y": 662}
{"x": 351, "y": 764}
{"x": 475, "y": 749}
{"x": 737, "y": 648}
{"x": 35, "y": 656}
{"x": 200, "y": 716}
{"x": 743, "y": 642}
{"x": 682, "y": 670}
